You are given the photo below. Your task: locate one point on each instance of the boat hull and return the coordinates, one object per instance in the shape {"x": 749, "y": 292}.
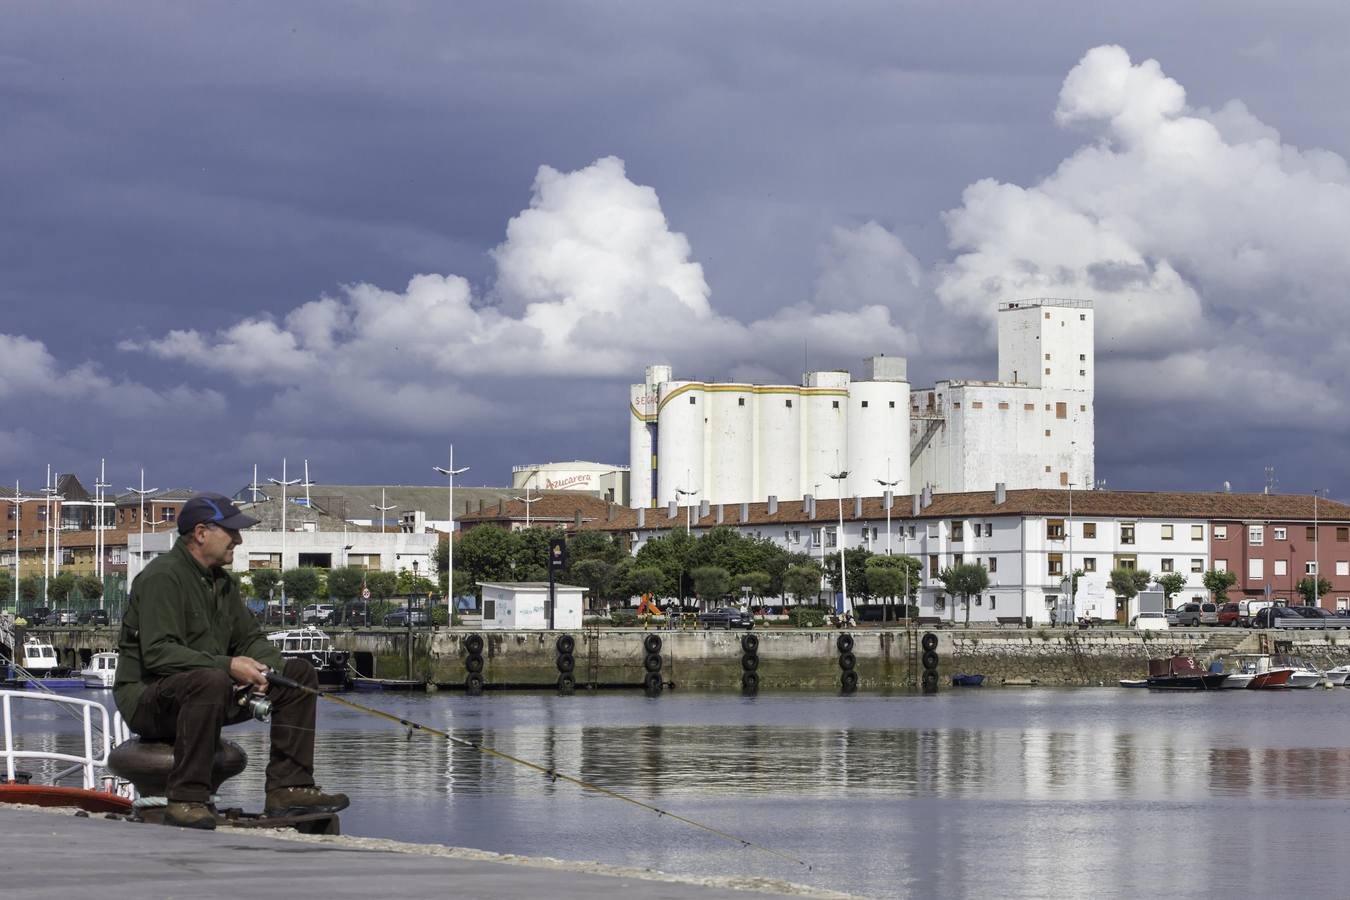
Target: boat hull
{"x": 56, "y": 796}
{"x": 1210, "y": 681}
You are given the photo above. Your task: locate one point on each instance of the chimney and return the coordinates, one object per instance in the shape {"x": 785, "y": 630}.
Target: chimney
{"x": 773, "y": 505}
{"x": 857, "y": 506}
{"x": 703, "y": 507}
{"x": 807, "y": 501}
{"x": 721, "y": 514}
{"x": 642, "y": 517}
{"x": 1000, "y": 493}
{"x": 673, "y": 510}
{"x": 611, "y": 512}
{"x": 888, "y": 500}
{"x": 917, "y": 503}
{"x": 576, "y": 522}
{"x": 745, "y": 512}
{"x": 501, "y": 508}
{"x": 482, "y": 504}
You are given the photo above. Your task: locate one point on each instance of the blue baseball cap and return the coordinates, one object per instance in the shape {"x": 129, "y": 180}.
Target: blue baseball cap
{"x": 212, "y": 509}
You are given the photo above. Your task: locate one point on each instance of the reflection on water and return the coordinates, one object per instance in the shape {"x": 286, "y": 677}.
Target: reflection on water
{"x": 980, "y": 793}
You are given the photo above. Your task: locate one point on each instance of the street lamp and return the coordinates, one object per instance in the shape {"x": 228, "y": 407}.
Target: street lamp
{"x": 18, "y": 500}
{"x": 889, "y": 485}
{"x": 1317, "y": 561}
{"x": 99, "y": 525}
{"x": 526, "y": 499}
{"x": 140, "y": 519}
{"x": 688, "y": 508}
{"x": 450, "y": 472}
{"x": 839, "y": 478}
{"x": 285, "y": 483}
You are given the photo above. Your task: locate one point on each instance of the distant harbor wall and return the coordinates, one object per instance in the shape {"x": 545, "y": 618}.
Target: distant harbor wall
{"x": 787, "y": 659}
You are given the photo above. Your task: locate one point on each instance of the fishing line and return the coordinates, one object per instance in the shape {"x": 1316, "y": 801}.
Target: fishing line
{"x": 553, "y": 774}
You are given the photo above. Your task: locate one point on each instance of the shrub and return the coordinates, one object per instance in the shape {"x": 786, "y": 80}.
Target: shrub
{"x": 805, "y": 616}
{"x": 623, "y": 619}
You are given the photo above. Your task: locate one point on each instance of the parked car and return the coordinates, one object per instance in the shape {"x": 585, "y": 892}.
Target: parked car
{"x": 272, "y": 615}
{"x": 1247, "y": 610}
{"x": 1194, "y": 614}
{"x": 1171, "y": 615}
{"x": 66, "y": 617}
{"x": 1328, "y": 618}
{"x": 1151, "y": 621}
{"x": 726, "y": 617}
{"x": 38, "y": 615}
{"x": 1229, "y": 614}
{"x": 399, "y": 618}
{"x": 94, "y": 617}
{"x": 317, "y": 614}
{"x": 1284, "y": 617}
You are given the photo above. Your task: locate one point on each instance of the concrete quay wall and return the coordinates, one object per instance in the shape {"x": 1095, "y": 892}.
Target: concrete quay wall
{"x": 802, "y": 659}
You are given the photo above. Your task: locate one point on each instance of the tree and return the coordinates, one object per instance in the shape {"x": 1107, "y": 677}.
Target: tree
{"x": 301, "y": 585}
{"x": 1310, "y": 596}
{"x": 596, "y": 574}
{"x": 30, "y": 589}
{"x": 670, "y": 554}
{"x": 1172, "y": 583}
{"x": 894, "y": 576}
{"x": 1123, "y": 584}
{"x": 1218, "y": 583}
{"x": 264, "y": 580}
{"x": 757, "y": 582}
{"x": 855, "y": 565}
{"x": 529, "y": 556}
{"x": 964, "y": 581}
{"x": 711, "y": 582}
{"x": 383, "y": 584}
{"x": 484, "y": 553}
{"x": 345, "y": 583}
{"x": 802, "y": 582}
{"x": 59, "y": 587}
{"x": 6, "y": 588}
{"x": 90, "y": 586}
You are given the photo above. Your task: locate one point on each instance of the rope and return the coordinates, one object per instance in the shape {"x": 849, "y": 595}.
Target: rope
{"x": 548, "y": 772}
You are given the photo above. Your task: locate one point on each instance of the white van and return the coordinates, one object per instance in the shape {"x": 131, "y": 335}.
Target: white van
{"x": 1247, "y": 610}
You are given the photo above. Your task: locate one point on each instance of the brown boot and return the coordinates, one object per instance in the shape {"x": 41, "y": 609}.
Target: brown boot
{"x": 300, "y": 801}
{"x": 188, "y": 814}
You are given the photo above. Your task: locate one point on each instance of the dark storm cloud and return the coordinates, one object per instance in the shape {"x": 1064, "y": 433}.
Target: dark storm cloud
{"x": 167, "y": 168}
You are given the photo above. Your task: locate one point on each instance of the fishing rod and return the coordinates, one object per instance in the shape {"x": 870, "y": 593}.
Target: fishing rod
{"x": 281, "y": 680}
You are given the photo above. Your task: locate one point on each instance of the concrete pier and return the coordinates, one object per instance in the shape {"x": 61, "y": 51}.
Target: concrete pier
{"x": 55, "y": 854}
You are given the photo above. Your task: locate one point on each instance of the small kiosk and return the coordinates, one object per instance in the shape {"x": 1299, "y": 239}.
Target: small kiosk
{"x": 524, "y": 605}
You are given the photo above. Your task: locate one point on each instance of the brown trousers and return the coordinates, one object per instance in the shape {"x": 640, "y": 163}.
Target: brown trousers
{"x": 189, "y": 708}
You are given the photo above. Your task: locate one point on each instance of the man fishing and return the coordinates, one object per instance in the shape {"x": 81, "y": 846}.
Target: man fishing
{"x": 189, "y": 650}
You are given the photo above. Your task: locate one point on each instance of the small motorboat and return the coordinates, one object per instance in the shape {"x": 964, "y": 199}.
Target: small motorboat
{"x": 1134, "y": 682}
{"x": 967, "y": 680}
{"x": 1303, "y": 674}
{"x": 1255, "y": 672}
{"x": 37, "y": 669}
{"x": 100, "y": 671}
{"x": 1182, "y": 673}
{"x": 309, "y": 643}
{"x": 1337, "y": 675}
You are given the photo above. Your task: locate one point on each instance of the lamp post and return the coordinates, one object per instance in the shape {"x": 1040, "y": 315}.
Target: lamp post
{"x": 18, "y": 500}
{"x": 1317, "y": 560}
{"x": 526, "y": 499}
{"x": 285, "y": 483}
{"x": 839, "y": 478}
{"x": 140, "y": 519}
{"x": 688, "y": 508}
{"x": 450, "y": 472}
{"x": 889, "y": 485}
{"x": 99, "y": 525}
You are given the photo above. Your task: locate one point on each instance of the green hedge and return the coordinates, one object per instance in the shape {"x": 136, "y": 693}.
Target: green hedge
{"x": 805, "y": 616}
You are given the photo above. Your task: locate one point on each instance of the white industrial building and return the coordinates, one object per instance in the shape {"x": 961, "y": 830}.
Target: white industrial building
{"x": 610, "y": 482}
{"x": 727, "y": 443}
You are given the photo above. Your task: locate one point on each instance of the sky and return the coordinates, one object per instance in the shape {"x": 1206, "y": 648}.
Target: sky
{"x": 358, "y": 233}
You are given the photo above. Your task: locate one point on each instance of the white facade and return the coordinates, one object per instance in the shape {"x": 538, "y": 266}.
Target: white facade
{"x": 610, "y": 481}
{"x": 692, "y": 441}
{"x": 523, "y": 605}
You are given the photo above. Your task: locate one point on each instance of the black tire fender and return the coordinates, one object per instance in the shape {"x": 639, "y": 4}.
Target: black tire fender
{"x": 750, "y": 644}
{"x": 930, "y": 660}
{"x": 849, "y": 681}
{"x": 566, "y": 662}
{"x": 566, "y": 644}
{"x": 473, "y": 683}
{"x": 473, "y": 664}
{"x": 566, "y": 683}
{"x": 844, "y": 643}
{"x": 929, "y": 642}
{"x": 848, "y": 662}
{"x": 652, "y": 643}
{"x": 473, "y": 644}
{"x": 652, "y": 662}
{"x": 652, "y": 683}
{"x": 749, "y": 682}
{"x": 750, "y": 662}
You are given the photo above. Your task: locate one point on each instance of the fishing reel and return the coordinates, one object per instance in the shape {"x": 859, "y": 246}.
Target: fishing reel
{"x": 258, "y": 705}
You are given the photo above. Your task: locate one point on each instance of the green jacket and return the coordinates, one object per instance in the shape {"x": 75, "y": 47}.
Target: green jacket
{"x": 183, "y": 616}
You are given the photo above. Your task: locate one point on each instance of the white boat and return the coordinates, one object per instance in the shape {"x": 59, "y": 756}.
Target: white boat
{"x": 38, "y": 658}
{"x": 311, "y": 644}
{"x": 1305, "y": 674}
{"x": 1337, "y": 675}
{"x": 1255, "y": 671}
{"x": 100, "y": 671}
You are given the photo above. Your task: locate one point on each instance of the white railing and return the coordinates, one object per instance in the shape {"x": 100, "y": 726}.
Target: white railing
{"x": 86, "y": 763}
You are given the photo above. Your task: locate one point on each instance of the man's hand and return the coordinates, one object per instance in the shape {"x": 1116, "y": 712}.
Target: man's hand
{"x": 246, "y": 670}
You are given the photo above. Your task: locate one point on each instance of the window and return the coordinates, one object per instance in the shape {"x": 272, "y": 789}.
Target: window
{"x": 1089, "y": 564}
{"x": 1342, "y": 567}
{"x": 892, "y": 404}
{"x": 1220, "y": 565}
{"x": 911, "y": 531}
{"x": 1197, "y": 532}
{"x": 1089, "y": 529}
{"x": 1167, "y": 532}
{"x": 958, "y": 559}
{"x": 978, "y": 529}
{"x": 1310, "y": 567}
{"x": 957, "y": 532}
{"x": 977, "y": 404}
{"x": 1047, "y": 432}
{"x": 1061, "y": 409}
{"x": 831, "y": 537}
{"x": 1047, "y": 370}
{"x": 1167, "y": 564}
{"x": 991, "y": 601}
{"x": 1047, "y": 357}
{"x": 1127, "y": 534}
{"x": 1311, "y": 533}
{"x": 1281, "y": 567}
{"x": 1220, "y": 532}
{"x": 993, "y": 564}
{"x": 1028, "y": 407}
{"x": 1082, "y": 357}
{"x": 1197, "y": 564}
{"x": 1054, "y": 529}
{"x": 1277, "y": 534}
{"x": 1047, "y": 470}
{"x": 932, "y": 565}
{"x": 1056, "y": 566}
{"x": 489, "y": 609}
{"x": 1342, "y": 535}
{"x": 989, "y": 529}
{"x": 1256, "y": 568}
{"x": 1256, "y": 535}
{"x": 692, "y": 398}
{"x": 834, "y": 404}
{"x": 168, "y": 514}
{"x": 740, "y": 401}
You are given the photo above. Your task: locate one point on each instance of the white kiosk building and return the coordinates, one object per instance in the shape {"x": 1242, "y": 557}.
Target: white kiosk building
{"x": 524, "y": 604}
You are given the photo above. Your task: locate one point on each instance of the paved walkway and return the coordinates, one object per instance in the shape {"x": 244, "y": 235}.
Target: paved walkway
{"x": 56, "y": 855}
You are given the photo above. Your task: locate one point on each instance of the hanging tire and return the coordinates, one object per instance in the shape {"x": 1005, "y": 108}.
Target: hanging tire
{"x": 566, "y": 662}
{"x": 750, "y": 644}
{"x": 849, "y": 681}
{"x": 566, "y": 684}
{"x": 566, "y": 644}
{"x": 749, "y": 683}
{"x": 750, "y": 662}
{"x": 652, "y": 662}
{"x": 652, "y": 683}
{"x": 848, "y": 662}
{"x": 929, "y": 641}
{"x": 473, "y": 664}
{"x": 930, "y": 660}
{"x": 652, "y": 643}
{"x": 473, "y": 684}
{"x": 930, "y": 682}
{"x": 473, "y": 644}
{"x": 844, "y": 643}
